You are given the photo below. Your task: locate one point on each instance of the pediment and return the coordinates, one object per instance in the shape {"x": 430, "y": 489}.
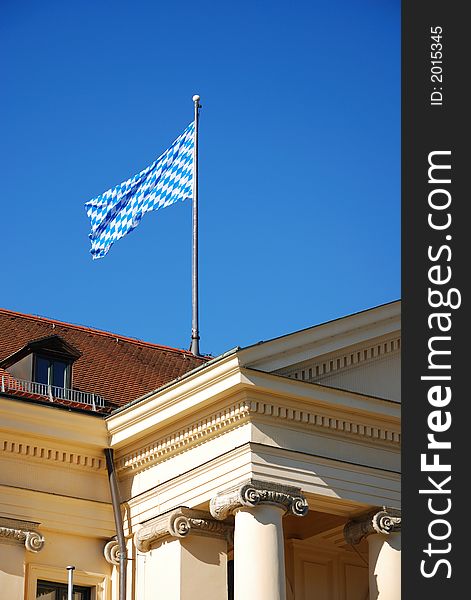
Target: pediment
{"x": 373, "y": 368}
{"x": 358, "y": 353}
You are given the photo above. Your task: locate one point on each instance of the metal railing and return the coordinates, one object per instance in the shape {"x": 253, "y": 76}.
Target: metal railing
{"x": 51, "y": 392}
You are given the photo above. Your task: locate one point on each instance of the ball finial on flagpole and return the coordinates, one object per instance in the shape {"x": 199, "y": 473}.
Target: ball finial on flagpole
{"x": 196, "y": 98}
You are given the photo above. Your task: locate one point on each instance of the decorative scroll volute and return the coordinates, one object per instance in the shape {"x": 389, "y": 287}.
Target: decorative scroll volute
{"x": 180, "y": 523}
{"x": 33, "y": 540}
{"x": 111, "y": 552}
{"x": 385, "y": 521}
{"x": 256, "y": 492}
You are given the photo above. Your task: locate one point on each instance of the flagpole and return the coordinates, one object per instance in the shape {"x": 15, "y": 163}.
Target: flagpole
{"x": 70, "y": 582}
{"x": 195, "y": 334}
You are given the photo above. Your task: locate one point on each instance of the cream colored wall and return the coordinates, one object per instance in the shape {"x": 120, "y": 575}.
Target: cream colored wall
{"x": 330, "y": 486}
{"x": 380, "y": 377}
{"x": 61, "y": 550}
{"x": 316, "y": 571}
{"x": 342, "y": 449}
{"x": 372, "y": 367}
{"x": 19, "y": 467}
{"x": 183, "y": 445}
{"x": 53, "y": 468}
{"x": 67, "y": 543}
{"x": 190, "y": 569}
{"x": 12, "y": 570}
{"x": 53, "y": 473}
{"x": 325, "y": 441}
{"x": 98, "y": 582}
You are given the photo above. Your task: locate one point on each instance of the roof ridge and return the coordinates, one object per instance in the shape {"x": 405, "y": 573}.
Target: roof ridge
{"x": 124, "y": 338}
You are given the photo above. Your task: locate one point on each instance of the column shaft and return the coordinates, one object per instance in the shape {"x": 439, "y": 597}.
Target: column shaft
{"x": 385, "y": 566}
{"x": 259, "y": 565}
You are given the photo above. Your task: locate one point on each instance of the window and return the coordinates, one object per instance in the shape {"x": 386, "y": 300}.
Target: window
{"x": 51, "y": 371}
{"x": 230, "y": 580}
{"x": 41, "y": 584}
{"x": 48, "y": 590}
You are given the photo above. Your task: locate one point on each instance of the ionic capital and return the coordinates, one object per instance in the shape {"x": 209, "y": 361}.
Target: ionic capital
{"x": 253, "y": 493}
{"x": 179, "y": 523}
{"x": 385, "y": 521}
{"x": 23, "y": 532}
{"x": 111, "y": 552}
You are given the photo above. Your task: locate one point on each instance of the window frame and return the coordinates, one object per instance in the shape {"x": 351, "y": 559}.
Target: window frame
{"x": 63, "y": 587}
{"x": 99, "y": 583}
{"x": 51, "y": 359}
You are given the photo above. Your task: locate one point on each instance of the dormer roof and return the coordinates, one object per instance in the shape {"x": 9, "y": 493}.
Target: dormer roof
{"x": 118, "y": 368}
{"x": 52, "y": 345}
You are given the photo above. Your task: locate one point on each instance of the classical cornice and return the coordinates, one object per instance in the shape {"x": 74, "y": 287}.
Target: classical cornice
{"x": 57, "y": 427}
{"x": 51, "y": 454}
{"x": 254, "y": 493}
{"x": 158, "y": 409}
{"x": 337, "y": 421}
{"x": 238, "y": 413}
{"x": 56, "y": 512}
{"x": 326, "y": 338}
{"x": 23, "y": 532}
{"x": 342, "y": 361}
{"x": 179, "y": 523}
{"x": 385, "y": 521}
{"x": 182, "y": 439}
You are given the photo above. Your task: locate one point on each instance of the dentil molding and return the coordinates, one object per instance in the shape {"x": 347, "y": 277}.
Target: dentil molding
{"x": 385, "y": 521}
{"x": 242, "y": 412}
{"x": 180, "y": 523}
{"x": 313, "y": 369}
{"x": 52, "y": 455}
{"x": 23, "y": 532}
{"x": 253, "y": 493}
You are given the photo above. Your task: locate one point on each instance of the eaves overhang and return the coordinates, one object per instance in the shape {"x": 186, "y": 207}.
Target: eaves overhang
{"x": 170, "y": 384}
{"x": 223, "y": 379}
{"x": 35, "y": 420}
{"x": 322, "y": 339}
{"x": 181, "y": 397}
{"x": 322, "y": 395}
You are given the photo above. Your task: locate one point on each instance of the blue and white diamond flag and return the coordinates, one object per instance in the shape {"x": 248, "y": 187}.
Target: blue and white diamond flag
{"x": 119, "y": 210}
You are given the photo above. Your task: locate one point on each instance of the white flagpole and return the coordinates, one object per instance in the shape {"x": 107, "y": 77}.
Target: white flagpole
{"x": 70, "y": 582}
{"x": 195, "y": 334}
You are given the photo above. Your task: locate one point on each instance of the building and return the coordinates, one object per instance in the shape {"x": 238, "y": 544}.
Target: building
{"x": 271, "y": 471}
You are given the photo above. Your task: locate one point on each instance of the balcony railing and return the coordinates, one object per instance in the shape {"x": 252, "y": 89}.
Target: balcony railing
{"x": 51, "y": 392}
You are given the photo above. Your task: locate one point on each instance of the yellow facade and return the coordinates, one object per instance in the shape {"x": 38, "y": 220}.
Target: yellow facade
{"x": 242, "y": 443}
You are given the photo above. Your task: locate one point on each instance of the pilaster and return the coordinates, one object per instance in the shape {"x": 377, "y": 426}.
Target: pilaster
{"x": 16, "y": 537}
{"x": 182, "y": 555}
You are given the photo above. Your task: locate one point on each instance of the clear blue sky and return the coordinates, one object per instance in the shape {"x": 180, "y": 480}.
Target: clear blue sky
{"x": 299, "y": 162}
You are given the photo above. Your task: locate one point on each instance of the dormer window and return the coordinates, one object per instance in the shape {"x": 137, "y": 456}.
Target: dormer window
{"x": 52, "y": 371}
{"x": 43, "y": 369}
{"x": 47, "y": 361}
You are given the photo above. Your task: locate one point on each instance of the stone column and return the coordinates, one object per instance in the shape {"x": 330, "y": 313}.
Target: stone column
{"x": 382, "y": 529}
{"x": 182, "y": 556}
{"x": 16, "y": 537}
{"x": 259, "y": 562}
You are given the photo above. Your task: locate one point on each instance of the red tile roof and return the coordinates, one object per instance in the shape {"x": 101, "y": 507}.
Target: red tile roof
{"x": 118, "y": 368}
